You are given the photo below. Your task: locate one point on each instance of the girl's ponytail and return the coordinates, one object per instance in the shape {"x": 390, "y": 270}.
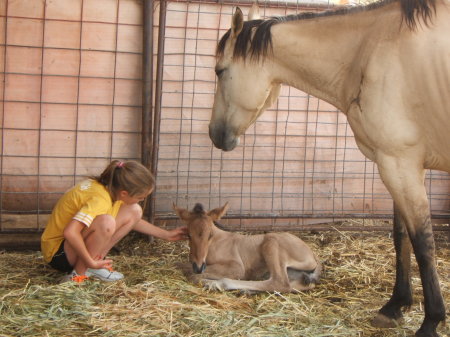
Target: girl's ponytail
{"x": 129, "y": 176}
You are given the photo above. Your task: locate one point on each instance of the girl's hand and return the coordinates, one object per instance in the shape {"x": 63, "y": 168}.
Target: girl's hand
{"x": 100, "y": 264}
{"x": 180, "y": 233}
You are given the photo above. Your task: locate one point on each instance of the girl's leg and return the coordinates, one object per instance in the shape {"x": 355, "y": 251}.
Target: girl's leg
{"x": 127, "y": 217}
{"x": 96, "y": 237}
{"x": 103, "y": 234}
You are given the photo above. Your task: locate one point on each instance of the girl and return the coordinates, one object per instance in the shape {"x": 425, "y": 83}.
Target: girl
{"x": 94, "y": 215}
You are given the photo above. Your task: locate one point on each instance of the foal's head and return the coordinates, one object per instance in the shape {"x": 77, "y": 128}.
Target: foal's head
{"x": 200, "y": 230}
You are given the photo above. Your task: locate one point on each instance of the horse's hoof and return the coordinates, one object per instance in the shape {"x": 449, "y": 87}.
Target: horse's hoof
{"x": 382, "y": 321}
{"x": 420, "y": 333}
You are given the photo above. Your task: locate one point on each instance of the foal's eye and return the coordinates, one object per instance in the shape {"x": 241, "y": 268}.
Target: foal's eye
{"x": 219, "y": 72}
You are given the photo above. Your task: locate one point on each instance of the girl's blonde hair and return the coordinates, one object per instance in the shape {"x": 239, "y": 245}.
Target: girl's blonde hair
{"x": 129, "y": 176}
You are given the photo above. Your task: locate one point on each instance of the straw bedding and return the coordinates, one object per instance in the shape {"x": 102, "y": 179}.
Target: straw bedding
{"x": 155, "y": 299}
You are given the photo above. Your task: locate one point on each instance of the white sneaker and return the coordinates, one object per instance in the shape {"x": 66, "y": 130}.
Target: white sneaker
{"x": 73, "y": 277}
{"x": 104, "y": 274}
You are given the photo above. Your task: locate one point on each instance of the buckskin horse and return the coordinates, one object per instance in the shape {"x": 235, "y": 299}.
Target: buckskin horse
{"x": 386, "y": 66}
{"x": 223, "y": 260}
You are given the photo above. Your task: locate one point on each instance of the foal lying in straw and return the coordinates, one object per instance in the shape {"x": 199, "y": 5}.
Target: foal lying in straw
{"x": 229, "y": 261}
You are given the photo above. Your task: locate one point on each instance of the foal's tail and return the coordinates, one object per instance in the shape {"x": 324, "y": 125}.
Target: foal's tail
{"x": 314, "y": 276}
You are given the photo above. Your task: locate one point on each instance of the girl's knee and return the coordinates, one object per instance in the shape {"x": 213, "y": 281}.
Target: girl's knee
{"x": 130, "y": 213}
{"x": 136, "y": 211}
{"x": 104, "y": 223}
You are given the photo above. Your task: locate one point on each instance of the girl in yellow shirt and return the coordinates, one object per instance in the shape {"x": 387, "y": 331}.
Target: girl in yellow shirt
{"x": 94, "y": 215}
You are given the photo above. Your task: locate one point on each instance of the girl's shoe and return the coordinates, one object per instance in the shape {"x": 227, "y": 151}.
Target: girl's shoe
{"x": 104, "y": 274}
{"x": 74, "y": 277}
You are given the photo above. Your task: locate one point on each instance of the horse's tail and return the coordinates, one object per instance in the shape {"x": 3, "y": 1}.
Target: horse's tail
{"x": 414, "y": 10}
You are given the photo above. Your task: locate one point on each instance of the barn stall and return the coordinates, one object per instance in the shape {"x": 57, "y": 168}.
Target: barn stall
{"x": 72, "y": 100}
{"x": 78, "y": 89}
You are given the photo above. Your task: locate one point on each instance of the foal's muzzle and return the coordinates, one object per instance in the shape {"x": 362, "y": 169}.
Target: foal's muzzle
{"x": 198, "y": 270}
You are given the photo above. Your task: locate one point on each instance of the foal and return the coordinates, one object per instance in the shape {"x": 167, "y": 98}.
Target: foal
{"x": 223, "y": 260}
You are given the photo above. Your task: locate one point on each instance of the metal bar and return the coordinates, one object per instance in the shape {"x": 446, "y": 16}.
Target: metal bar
{"x": 283, "y": 4}
{"x": 308, "y": 216}
{"x": 147, "y": 89}
{"x": 2, "y": 96}
{"x": 158, "y": 97}
{"x": 313, "y": 227}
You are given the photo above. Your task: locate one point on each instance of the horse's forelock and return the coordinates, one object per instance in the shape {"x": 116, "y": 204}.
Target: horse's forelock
{"x": 221, "y": 45}
{"x": 254, "y": 40}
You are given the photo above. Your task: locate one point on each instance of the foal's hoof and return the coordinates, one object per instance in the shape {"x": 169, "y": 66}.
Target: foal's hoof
{"x": 212, "y": 285}
{"x": 382, "y": 321}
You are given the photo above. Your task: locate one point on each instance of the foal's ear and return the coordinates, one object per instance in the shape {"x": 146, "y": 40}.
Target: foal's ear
{"x": 182, "y": 213}
{"x": 237, "y": 22}
{"x": 217, "y": 213}
{"x": 253, "y": 14}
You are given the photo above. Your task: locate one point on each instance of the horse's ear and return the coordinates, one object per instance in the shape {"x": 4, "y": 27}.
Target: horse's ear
{"x": 253, "y": 14}
{"x": 237, "y": 22}
{"x": 182, "y": 213}
{"x": 217, "y": 213}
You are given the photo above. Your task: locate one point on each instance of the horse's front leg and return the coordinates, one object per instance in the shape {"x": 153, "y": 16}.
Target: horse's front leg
{"x": 218, "y": 271}
{"x": 424, "y": 249}
{"x": 405, "y": 181}
{"x": 391, "y": 312}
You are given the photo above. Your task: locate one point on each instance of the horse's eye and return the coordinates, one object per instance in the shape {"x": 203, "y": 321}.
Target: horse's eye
{"x": 219, "y": 72}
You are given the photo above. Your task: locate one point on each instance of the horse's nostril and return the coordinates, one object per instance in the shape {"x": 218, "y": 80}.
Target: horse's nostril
{"x": 223, "y": 137}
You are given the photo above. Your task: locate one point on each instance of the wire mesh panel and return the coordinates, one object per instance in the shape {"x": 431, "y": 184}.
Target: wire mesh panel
{"x": 71, "y": 97}
{"x": 297, "y": 164}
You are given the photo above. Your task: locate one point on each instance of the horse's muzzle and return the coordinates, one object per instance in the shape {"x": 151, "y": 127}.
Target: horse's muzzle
{"x": 223, "y": 137}
{"x": 198, "y": 270}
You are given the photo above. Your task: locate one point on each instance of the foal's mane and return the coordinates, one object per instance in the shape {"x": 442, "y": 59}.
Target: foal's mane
{"x": 198, "y": 209}
{"x": 257, "y": 33}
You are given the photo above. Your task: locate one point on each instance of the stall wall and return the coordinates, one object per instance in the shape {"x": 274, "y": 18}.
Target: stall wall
{"x": 71, "y": 100}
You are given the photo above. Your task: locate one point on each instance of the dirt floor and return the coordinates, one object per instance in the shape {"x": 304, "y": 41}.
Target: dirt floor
{"x": 155, "y": 299}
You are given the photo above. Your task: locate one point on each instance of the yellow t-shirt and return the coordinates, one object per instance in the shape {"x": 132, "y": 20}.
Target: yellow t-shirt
{"x": 83, "y": 202}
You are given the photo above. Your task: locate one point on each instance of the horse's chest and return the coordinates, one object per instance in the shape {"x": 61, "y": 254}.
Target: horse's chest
{"x": 362, "y": 138}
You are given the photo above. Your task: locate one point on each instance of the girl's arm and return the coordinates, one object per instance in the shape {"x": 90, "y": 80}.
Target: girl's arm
{"x": 147, "y": 228}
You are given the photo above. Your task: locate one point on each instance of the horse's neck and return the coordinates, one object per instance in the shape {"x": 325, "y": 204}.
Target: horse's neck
{"x": 219, "y": 233}
{"x": 324, "y": 56}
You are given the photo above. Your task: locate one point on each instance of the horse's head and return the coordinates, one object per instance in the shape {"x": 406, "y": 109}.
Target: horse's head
{"x": 244, "y": 87}
{"x": 200, "y": 225}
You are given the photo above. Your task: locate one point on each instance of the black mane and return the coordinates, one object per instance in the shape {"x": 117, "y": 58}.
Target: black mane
{"x": 261, "y": 42}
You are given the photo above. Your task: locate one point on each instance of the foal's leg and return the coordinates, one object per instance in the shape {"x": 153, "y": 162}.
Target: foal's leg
{"x": 406, "y": 186}
{"x": 401, "y": 296}
{"x": 216, "y": 271}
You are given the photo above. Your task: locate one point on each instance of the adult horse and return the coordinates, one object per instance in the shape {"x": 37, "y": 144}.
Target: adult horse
{"x": 387, "y": 67}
